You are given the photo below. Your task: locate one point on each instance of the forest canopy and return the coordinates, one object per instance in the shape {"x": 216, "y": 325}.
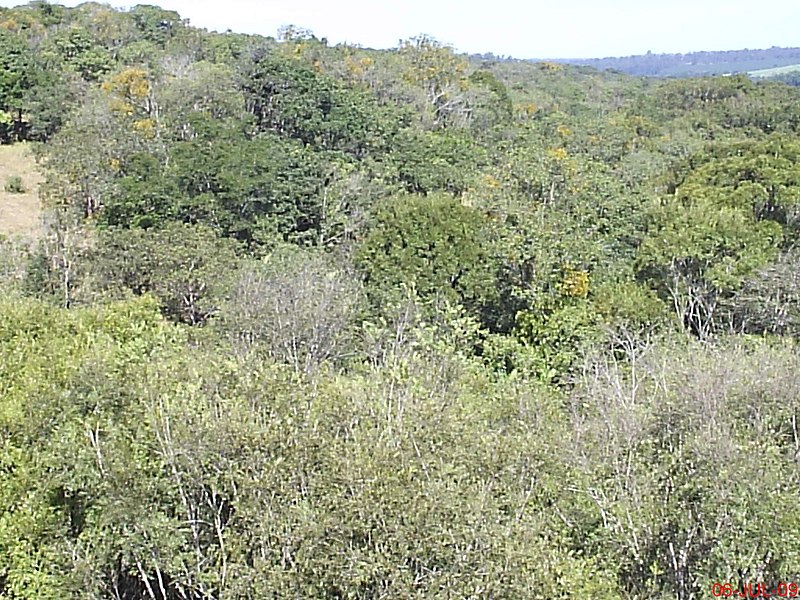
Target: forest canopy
{"x": 306, "y": 320}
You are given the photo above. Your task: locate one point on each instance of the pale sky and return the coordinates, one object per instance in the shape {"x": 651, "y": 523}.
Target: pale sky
{"x": 536, "y": 29}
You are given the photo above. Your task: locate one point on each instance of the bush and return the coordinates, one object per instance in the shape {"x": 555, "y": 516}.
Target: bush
{"x": 14, "y": 185}
{"x": 298, "y": 306}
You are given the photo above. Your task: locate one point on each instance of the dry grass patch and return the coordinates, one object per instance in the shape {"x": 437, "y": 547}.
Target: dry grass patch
{"x": 20, "y": 213}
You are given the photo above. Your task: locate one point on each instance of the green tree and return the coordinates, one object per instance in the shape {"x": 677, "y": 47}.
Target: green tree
{"x": 75, "y": 49}
{"x": 156, "y": 24}
{"x": 15, "y": 78}
{"x": 424, "y": 162}
{"x": 252, "y": 189}
{"x": 434, "y": 245}
{"x": 700, "y": 254}
{"x": 293, "y": 100}
{"x": 187, "y": 267}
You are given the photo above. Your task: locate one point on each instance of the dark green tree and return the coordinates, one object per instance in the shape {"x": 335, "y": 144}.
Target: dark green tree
{"x": 434, "y": 245}
{"x": 16, "y": 63}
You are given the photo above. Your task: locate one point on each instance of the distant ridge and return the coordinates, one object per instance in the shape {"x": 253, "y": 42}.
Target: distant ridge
{"x": 694, "y": 64}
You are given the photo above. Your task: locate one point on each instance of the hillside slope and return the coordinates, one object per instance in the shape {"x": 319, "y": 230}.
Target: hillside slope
{"x": 19, "y": 212}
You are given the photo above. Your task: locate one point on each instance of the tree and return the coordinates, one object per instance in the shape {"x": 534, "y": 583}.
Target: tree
{"x": 698, "y": 255}
{"x": 199, "y": 89}
{"x": 156, "y": 24}
{"x": 441, "y": 75}
{"x": 75, "y": 49}
{"x": 144, "y": 196}
{"x": 728, "y": 217}
{"x": 130, "y": 93}
{"x": 300, "y": 307}
{"x": 654, "y": 426}
{"x": 187, "y": 267}
{"x": 424, "y": 162}
{"x": 15, "y": 79}
{"x": 433, "y": 244}
{"x": 50, "y": 100}
{"x": 490, "y": 101}
{"x": 86, "y": 181}
{"x": 252, "y": 189}
{"x": 293, "y": 100}
{"x": 758, "y": 176}
{"x": 60, "y": 263}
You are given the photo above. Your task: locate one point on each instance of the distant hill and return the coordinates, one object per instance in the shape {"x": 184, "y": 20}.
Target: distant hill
{"x": 696, "y": 63}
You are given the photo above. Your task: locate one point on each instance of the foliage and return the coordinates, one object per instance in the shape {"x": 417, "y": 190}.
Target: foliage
{"x": 15, "y": 79}
{"x": 14, "y": 185}
{"x": 75, "y": 49}
{"x": 300, "y": 308}
{"x": 663, "y": 426}
{"x": 184, "y": 266}
{"x": 319, "y": 321}
{"x": 423, "y": 162}
{"x": 433, "y": 244}
{"x": 295, "y": 101}
{"x": 343, "y": 524}
{"x": 440, "y": 74}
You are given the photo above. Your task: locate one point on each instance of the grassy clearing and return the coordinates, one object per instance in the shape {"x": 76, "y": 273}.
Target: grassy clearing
{"x": 775, "y": 71}
{"x": 20, "y": 213}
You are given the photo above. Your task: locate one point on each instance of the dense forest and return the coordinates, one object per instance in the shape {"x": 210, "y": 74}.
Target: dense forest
{"x": 315, "y": 321}
{"x": 695, "y": 63}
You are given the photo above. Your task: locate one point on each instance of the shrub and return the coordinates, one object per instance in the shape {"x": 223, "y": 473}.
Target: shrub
{"x": 14, "y": 185}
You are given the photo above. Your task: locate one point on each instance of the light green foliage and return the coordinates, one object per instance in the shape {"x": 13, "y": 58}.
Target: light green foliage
{"x": 14, "y": 258}
{"x": 687, "y": 94}
{"x": 555, "y": 327}
{"x": 630, "y": 305}
{"x": 86, "y": 181}
{"x": 203, "y": 89}
{"x": 47, "y": 444}
{"x": 59, "y": 263}
{"x": 672, "y": 452}
{"x": 761, "y": 177}
{"x": 341, "y": 460}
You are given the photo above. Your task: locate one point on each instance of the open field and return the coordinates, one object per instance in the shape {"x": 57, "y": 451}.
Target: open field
{"x": 775, "y": 71}
{"x": 19, "y": 213}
